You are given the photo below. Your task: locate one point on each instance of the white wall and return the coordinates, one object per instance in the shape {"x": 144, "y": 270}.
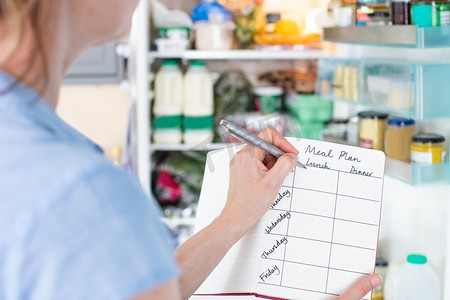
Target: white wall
{"x": 98, "y": 111}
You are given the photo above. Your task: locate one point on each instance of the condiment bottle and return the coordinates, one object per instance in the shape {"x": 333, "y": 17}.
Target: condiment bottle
{"x": 373, "y": 127}
{"x": 400, "y": 12}
{"x": 427, "y": 148}
{"x": 398, "y": 138}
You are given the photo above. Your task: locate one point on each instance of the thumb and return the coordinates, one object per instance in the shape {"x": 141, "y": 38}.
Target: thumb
{"x": 361, "y": 287}
{"x": 281, "y": 168}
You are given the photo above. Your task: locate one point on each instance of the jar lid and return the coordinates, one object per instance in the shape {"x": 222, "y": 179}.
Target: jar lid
{"x": 428, "y": 138}
{"x": 372, "y": 115}
{"x": 400, "y": 121}
{"x": 417, "y": 259}
{"x": 337, "y": 121}
{"x": 381, "y": 262}
{"x": 268, "y": 91}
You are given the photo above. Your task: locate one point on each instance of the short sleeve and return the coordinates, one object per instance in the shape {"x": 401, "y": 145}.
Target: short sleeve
{"x": 103, "y": 240}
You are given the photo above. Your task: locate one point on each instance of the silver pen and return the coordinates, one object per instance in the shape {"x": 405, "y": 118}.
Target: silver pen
{"x": 249, "y": 138}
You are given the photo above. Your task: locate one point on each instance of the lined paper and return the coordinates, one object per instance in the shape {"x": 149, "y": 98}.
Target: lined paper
{"x": 319, "y": 236}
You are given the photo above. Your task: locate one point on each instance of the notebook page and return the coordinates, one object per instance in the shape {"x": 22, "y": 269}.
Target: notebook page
{"x": 236, "y": 272}
{"x": 321, "y": 234}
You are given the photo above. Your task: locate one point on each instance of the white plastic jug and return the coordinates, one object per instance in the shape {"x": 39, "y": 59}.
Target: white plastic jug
{"x": 168, "y": 90}
{"x": 416, "y": 280}
{"x": 198, "y": 91}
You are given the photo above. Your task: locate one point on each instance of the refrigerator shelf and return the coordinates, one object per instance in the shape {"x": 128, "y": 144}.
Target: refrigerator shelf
{"x": 413, "y": 174}
{"x": 240, "y": 54}
{"x": 409, "y": 36}
{"x": 400, "y": 88}
{"x": 188, "y": 147}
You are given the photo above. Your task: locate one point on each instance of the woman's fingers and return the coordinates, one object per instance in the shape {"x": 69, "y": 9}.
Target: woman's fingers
{"x": 281, "y": 169}
{"x": 361, "y": 287}
{"x": 272, "y": 136}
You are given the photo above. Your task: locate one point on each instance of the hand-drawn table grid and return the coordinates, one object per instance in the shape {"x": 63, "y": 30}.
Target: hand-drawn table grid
{"x": 331, "y": 231}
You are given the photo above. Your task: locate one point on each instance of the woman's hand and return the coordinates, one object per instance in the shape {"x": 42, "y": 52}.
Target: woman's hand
{"x": 255, "y": 179}
{"x": 361, "y": 287}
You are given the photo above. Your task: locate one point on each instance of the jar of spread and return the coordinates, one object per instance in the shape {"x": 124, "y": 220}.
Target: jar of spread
{"x": 373, "y": 127}
{"x": 398, "y": 138}
{"x": 427, "y": 148}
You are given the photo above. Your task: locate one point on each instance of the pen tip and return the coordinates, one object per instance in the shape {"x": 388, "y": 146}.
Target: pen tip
{"x": 301, "y": 165}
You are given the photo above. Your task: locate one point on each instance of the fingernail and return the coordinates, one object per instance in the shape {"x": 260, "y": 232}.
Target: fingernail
{"x": 376, "y": 280}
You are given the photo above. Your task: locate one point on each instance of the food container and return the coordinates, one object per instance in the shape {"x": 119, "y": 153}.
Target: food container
{"x": 425, "y": 13}
{"x": 373, "y": 127}
{"x": 381, "y": 267}
{"x": 352, "y": 134}
{"x": 174, "y": 33}
{"x": 213, "y": 26}
{"x": 337, "y": 128}
{"x": 214, "y": 36}
{"x": 427, "y": 148}
{"x": 268, "y": 99}
{"x": 400, "y": 12}
{"x": 398, "y": 138}
{"x": 372, "y": 13}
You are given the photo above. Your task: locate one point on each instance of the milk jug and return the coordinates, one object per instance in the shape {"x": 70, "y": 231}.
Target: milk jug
{"x": 416, "y": 280}
{"x": 167, "y": 108}
{"x": 198, "y": 105}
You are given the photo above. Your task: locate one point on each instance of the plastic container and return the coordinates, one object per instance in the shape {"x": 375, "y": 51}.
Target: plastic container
{"x": 310, "y": 108}
{"x": 167, "y": 107}
{"x": 352, "y": 134}
{"x": 373, "y": 127}
{"x": 213, "y": 26}
{"x": 198, "y": 91}
{"x": 268, "y": 99}
{"x": 398, "y": 138}
{"x": 428, "y": 148}
{"x": 416, "y": 280}
{"x": 198, "y": 104}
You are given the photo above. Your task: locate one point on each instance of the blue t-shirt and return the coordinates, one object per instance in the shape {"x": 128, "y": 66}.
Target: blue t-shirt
{"x": 72, "y": 225}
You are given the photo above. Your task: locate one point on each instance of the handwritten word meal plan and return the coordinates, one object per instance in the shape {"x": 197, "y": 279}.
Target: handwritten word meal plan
{"x": 320, "y": 234}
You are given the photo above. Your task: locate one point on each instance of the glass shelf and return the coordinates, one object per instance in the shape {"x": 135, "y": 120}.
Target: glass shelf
{"x": 409, "y": 36}
{"x": 400, "y": 88}
{"x": 413, "y": 174}
{"x": 188, "y": 147}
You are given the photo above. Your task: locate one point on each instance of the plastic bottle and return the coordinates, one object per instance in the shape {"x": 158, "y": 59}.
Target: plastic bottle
{"x": 167, "y": 108}
{"x": 416, "y": 280}
{"x": 198, "y": 105}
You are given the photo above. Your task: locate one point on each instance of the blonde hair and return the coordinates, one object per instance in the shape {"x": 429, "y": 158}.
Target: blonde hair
{"x": 17, "y": 16}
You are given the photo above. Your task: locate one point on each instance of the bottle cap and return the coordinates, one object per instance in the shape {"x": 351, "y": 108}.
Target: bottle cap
{"x": 417, "y": 259}
{"x": 170, "y": 62}
{"x": 381, "y": 262}
{"x": 196, "y": 63}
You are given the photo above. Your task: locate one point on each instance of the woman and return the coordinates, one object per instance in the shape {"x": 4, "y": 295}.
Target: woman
{"x": 71, "y": 225}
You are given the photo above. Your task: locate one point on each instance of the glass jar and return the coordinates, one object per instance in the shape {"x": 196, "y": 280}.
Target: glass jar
{"x": 373, "y": 127}
{"x": 398, "y": 138}
{"x": 381, "y": 266}
{"x": 337, "y": 128}
{"x": 427, "y": 148}
{"x": 400, "y": 12}
{"x": 372, "y": 13}
{"x": 426, "y": 13}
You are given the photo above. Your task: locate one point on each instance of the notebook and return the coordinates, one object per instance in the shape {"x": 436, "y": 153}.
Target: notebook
{"x": 319, "y": 236}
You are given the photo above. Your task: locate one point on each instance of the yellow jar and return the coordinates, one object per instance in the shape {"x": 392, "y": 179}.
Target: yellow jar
{"x": 428, "y": 148}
